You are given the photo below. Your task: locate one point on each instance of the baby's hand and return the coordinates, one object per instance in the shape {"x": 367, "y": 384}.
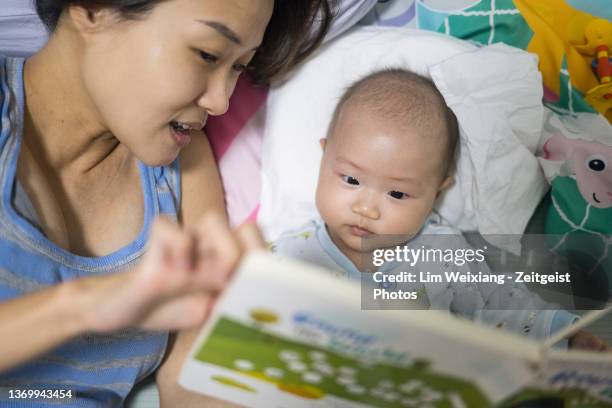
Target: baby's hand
{"x": 584, "y": 340}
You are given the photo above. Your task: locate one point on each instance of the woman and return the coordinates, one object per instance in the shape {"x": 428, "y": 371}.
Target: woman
{"x": 100, "y": 133}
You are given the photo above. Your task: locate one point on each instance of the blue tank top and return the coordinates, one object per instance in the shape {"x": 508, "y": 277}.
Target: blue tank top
{"x": 100, "y": 369}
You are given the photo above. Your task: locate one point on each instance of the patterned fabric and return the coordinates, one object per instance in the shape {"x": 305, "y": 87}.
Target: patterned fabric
{"x": 581, "y": 232}
{"x": 522, "y": 24}
{"x": 486, "y": 22}
{"x": 577, "y": 160}
{"x": 100, "y": 368}
{"x": 533, "y": 25}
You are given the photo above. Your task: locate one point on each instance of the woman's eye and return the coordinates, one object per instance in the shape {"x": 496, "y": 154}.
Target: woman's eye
{"x": 398, "y": 195}
{"x": 239, "y": 67}
{"x": 208, "y": 57}
{"x": 350, "y": 180}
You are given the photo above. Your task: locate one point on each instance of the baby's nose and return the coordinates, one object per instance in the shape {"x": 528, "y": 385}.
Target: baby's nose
{"x": 366, "y": 207}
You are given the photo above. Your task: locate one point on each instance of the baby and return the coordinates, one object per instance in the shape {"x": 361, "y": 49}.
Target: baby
{"x": 387, "y": 157}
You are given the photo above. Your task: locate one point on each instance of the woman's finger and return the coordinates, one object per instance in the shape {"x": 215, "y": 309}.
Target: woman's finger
{"x": 217, "y": 251}
{"x": 182, "y": 252}
{"x": 166, "y": 241}
{"x": 186, "y": 311}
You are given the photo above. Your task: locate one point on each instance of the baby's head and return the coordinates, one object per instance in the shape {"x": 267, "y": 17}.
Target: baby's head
{"x": 388, "y": 154}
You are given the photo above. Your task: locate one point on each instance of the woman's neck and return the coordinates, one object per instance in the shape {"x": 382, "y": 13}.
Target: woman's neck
{"x": 63, "y": 128}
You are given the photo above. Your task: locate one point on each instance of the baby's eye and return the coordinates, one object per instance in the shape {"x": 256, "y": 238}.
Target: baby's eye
{"x": 350, "y": 180}
{"x": 398, "y": 195}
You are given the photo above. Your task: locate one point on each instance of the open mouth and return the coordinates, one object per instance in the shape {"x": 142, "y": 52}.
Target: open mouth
{"x": 181, "y": 132}
{"x": 182, "y": 127}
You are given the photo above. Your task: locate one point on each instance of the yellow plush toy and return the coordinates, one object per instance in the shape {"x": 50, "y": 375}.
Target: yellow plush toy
{"x": 564, "y": 34}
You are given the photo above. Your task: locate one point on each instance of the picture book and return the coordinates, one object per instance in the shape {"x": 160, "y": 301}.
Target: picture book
{"x": 287, "y": 334}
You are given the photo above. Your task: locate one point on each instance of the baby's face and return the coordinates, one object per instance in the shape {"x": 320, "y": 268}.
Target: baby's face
{"x": 376, "y": 179}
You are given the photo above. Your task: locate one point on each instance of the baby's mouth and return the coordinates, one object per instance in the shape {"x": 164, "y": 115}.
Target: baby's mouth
{"x": 359, "y": 231}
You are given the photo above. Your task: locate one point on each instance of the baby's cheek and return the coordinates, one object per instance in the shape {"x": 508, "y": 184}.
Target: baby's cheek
{"x": 325, "y": 211}
{"x": 404, "y": 224}
{"x": 410, "y": 227}
{"x": 329, "y": 204}
{"x": 407, "y": 219}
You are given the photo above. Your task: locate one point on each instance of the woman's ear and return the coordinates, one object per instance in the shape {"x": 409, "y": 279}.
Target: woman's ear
{"x": 89, "y": 20}
{"x": 322, "y": 142}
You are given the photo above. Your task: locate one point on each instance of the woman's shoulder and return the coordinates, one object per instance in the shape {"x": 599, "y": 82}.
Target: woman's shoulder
{"x": 201, "y": 188}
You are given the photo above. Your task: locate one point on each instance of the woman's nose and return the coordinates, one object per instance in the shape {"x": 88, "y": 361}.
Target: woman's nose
{"x": 215, "y": 99}
{"x": 366, "y": 207}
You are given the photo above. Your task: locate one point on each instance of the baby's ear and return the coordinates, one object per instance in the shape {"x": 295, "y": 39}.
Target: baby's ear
{"x": 448, "y": 181}
{"x": 322, "y": 143}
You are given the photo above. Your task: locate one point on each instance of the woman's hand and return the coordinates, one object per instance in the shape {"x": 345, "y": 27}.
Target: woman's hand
{"x": 175, "y": 284}
{"x": 173, "y": 287}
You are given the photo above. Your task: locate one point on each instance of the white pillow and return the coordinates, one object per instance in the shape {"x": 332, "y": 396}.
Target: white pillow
{"x": 496, "y": 94}
{"x": 498, "y": 106}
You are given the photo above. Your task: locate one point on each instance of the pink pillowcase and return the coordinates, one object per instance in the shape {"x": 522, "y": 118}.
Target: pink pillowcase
{"x": 236, "y": 139}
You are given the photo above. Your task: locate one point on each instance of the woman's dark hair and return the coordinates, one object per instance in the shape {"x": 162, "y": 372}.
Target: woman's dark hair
{"x": 297, "y": 28}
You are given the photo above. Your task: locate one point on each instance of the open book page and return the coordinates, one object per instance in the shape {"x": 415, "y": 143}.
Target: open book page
{"x": 301, "y": 340}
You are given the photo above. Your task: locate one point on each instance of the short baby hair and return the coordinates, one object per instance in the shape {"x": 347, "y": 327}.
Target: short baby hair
{"x": 407, "y": 99}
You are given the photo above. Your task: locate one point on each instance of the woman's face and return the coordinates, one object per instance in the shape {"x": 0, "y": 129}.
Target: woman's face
{"x": 149, "y": 78}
